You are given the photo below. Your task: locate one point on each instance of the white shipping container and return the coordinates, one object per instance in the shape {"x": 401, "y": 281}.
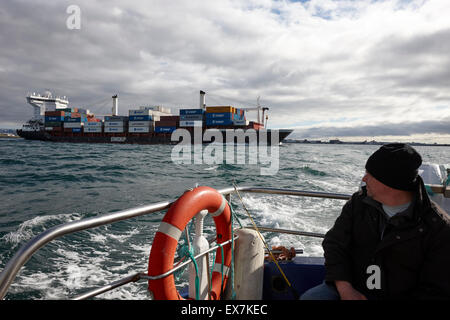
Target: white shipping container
{"x": 114, "y": 123}
{"x": 48, "y": 128}
{"x": 93, "y": 129}
{"x": 94, "y": 124}
{"x": 73, "y": 124}
{"x": 191, "y": 123}
{"x": 141, "y": 123}
{"x": 157, "y": 109}
{"x": 114, "y": 129}
{"x": 140, "y": 129}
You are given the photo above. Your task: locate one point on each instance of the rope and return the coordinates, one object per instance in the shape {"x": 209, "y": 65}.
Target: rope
{"x": 186, "y": 251}
{"x": 233, "y": 292}
{"x": 294, "y": 292}
{"x": 221, "y": 268}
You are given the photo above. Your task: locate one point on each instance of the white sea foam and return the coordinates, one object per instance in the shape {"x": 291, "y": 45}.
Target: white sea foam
{"x": 25, "y": 231}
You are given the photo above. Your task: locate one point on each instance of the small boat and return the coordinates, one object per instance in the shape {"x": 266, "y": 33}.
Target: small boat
{"x": 241, "y": 273}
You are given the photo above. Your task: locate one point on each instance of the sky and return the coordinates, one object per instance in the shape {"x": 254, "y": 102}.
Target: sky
{"x": 346, "y": 69}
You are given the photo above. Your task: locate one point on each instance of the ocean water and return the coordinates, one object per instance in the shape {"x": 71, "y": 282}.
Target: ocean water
{"x": 44, "y": 184}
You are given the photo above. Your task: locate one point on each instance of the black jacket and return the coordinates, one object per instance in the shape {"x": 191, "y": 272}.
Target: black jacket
{"x": 411, "y": 250}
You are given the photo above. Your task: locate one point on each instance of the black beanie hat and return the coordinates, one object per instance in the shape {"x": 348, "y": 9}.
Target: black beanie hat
{"x": 395, "y": 165}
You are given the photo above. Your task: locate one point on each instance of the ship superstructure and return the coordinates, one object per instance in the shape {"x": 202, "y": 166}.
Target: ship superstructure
{"x": 42, "y": 103}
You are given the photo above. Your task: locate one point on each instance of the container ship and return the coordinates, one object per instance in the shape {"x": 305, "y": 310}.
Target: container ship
{"x": 53, "y": 120}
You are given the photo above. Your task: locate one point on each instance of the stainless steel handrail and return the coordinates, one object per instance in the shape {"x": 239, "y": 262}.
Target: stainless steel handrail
{"x": 11, "y": 269}
{"x": 143, "y": 276}
{"x": 139, "y": 276}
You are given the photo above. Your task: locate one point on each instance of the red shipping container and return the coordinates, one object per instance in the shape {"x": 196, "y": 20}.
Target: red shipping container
{"x": 169, "y": 118}
{"x": 165, "y": 123}
{"x": 55, "y": 113}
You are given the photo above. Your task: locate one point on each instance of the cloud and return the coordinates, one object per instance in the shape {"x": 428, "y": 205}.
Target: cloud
{"x": 317, "y": 61}
{"x": 438, "y": 127}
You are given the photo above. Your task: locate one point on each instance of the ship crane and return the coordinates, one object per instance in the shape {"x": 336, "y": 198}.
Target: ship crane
{"x": 259, "y": 108}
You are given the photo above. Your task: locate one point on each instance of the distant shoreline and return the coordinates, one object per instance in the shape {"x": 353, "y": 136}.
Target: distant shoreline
{"x": 6, "y": 135}
{"x": 368, "y": 143}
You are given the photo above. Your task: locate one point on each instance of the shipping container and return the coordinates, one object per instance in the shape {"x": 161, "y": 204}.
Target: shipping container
{"x": 93, "y": 124}
{"x": 73, "y": 124}
{"x": 54, "y": 119}
{"x": 116, "y": 118}
{"x": 184, "y": 112}
{"x": 220, "y": 109}
{"x": 191, "y": 117}
{"x": 53, "y": 124}
{"x": 69, "y": 109}
{"x": 76, "y": 129}
{"x": 141, "y": 123}
{"x": 219, "y": 122}
{"x": 75, "y": 119}
{"x": 55, "y": 113}
{"x": 169, "y": 118}
{"x": 156, "y": 108}
{"x": 190, "y": 123}
{"x": 114, "y": 123}
{"x": 93, "y": 129}
{"x": 140, "y": 118}
{"x": 140, "y": 112}
{"x": 220, "y": 115}
{"x": 165, "y": 129}
{"x": 165, "y": 123}
{"x": 114, "y": 129}
{"x": 140, "y": 129}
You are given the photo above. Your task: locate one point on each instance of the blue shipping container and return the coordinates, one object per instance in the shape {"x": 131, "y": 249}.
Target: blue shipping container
{"x": 116, "y": 118}
{"x": 67, "y": 119}
{"x": 53, "y": 119}
{"x": 191, "y": 117}
{"x": 165, "y": 129}
{"x": 219, "y": 122}
{"x": 220, "y": 115}
{"x": 191, "y": 111}
{"x": 140, "y": 118}
{"x": 76, "y": 129}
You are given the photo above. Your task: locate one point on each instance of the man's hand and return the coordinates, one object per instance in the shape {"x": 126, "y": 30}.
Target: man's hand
{"x": 347, "y": 292}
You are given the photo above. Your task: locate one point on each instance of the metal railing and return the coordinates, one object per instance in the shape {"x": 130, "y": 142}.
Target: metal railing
{"x": 11, "y": 269}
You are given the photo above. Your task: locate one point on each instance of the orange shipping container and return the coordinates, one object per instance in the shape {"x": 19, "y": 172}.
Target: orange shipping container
{"x": 220, "y": 109}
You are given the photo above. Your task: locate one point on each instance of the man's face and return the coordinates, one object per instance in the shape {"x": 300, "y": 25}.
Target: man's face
{"x": 375, "y": 189}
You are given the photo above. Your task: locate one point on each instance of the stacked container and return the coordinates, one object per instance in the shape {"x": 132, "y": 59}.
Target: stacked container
{"x": 220, "y": 116}
{"x": 53, "y": 120}
{"x": 141, "y": 121}
{"x": 167, "y": 124}
{"x": 115, "y": 124}
{"x": 74, "y": 120}
{"x": 93, "y": 127}
{"x": 191, "y": 117}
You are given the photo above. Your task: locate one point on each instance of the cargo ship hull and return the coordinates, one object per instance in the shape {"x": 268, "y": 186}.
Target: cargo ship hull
{"x": 130, "y": 138}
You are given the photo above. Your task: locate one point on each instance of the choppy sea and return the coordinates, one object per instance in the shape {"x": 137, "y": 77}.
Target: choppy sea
{"x": 44, "y": 184}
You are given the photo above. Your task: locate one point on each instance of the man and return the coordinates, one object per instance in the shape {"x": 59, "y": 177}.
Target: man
{"x": 390, "y": 241}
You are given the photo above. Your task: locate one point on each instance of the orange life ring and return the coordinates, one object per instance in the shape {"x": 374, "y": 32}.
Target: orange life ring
{"x": 172, "y": 225}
